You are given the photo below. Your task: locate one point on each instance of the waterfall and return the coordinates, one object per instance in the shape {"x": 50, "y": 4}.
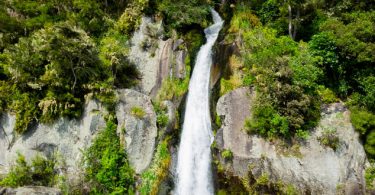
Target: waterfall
{"x": 194, "y": 175}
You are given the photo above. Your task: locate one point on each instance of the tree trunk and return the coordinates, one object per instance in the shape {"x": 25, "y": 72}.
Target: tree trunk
{"x": 290, "y": 27}
{"x": 295, "y": 26}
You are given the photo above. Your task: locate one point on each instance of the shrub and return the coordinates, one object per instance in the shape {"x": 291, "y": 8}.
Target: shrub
{"x": 162, "y": 120}
{"x": 184, "y": 12}
{"x": 329, "y": 138}
{"x": 267, "y": 122}
{"x": 152, "y": 178}
{"x": 138, "y": 112}
{"x": 41, "y": 172}
{"x": 286, "y": 84}
{"x": 131, "y": 18}
{"x": 362, "y": 120}
{"x": 302, "y": 134}
{"x": 370, "y": 144}
{"x": 161, "y": 111}
{"x": 327, "y": 96}
{"x": 172, "y": 88}
{"x": 370, "y": 176}
{"x": 107, "y": 169}
{"x": 242, "y": 19}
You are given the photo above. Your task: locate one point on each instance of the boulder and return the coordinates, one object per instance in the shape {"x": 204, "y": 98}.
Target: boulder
{"x": 139, "y": 132}
{"x": 65, "y": 137}
{"x": 30, "y": 190}
{"x": 313, "y": 168}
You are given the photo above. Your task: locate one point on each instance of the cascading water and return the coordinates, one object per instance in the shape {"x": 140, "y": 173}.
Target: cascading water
{"x": 194, "y": 175}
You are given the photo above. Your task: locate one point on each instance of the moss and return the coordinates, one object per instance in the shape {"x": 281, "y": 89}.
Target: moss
{"x": 232, "y": 83}
{"x": 329, "y": 138}
{"x": 138, "y": 112}
{"x": 227, "y": 154}
{"x": 218, "y": 121}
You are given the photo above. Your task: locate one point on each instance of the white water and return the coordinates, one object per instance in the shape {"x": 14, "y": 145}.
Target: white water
{"x": 194, "y": 175}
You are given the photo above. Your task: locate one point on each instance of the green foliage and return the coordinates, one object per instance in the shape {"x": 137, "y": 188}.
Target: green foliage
{"x": 25, "y": 109}
{"x": 152, "y": 178}
{"x": 181, "y": 13}
{"x": 327, "y": 96}
{"x": 161, "y": 111}
{"x": 267, "y": 122}
{"x": 138, "y": 112}
{"x": 107, "y": 169}
{"x": 162, "y": 120}
{"x": 50, "y": 69}
{"x": 227, "y": 154}
{"x": 218, "y": 122}
{"x": 131, "y": 18}
{"x": 370, "y": 144}
{"x": 113, "y": 53}
{"x": 370, "y": 176}
{"x": 302, "y": 134}
{"x": 367, "y": 86}
{"x": 173, "y": 88}
{"x": 264, "y": 185}
{"x": 41, "y": 172}
{"x": 362, "y": 120}
{"x": 194, "y": 40}
{"x": 242, "y": 19}
{"x": 345, "y": 47}
{"x": 286, "y": 82}
{"x": 329, "y": 138}
{"x": 232, "y": 83}
{"x": 263, "y": 179}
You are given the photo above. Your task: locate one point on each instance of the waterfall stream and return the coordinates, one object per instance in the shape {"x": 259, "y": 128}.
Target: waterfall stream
{"x": 194, "y": 175}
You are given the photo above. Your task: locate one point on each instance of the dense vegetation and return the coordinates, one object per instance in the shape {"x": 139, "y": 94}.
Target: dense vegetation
{"x": 300, "y": 54}
{"x": 296, "y": 54}
{"x": 107, "y": 169}
{"x": 41, "y": 172}
{"x": 54, "y": 54}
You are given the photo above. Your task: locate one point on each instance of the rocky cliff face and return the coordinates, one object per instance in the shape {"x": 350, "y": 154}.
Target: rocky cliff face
{"x": 66, "y": 137}
{"x": 310, "y": 166}
{"x": 156, "y": 58}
